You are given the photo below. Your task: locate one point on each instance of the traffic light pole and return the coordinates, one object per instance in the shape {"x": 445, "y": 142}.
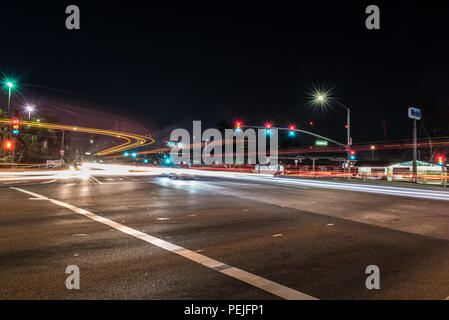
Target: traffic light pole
{"x": 443, "y": 174}
{"x": 13, "y": 151}
{"x": 349, "y": 142}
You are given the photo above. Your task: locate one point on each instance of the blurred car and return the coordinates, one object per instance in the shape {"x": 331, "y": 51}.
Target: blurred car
{"x": 180, "y": 176}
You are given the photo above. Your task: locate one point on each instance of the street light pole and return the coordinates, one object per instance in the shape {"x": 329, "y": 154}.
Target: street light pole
{"x": 29, "y": 109}
{"x": 322, "y": 99}
{"x": 10, "y": 86}
{"x": 9, "y": 102}
{"x": 13, "y": 151}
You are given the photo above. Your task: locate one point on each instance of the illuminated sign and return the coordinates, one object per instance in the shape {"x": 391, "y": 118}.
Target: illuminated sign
{"x": 321, "y": 143}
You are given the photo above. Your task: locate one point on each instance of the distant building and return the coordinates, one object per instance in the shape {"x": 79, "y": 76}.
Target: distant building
{"x": 427, "y": 172}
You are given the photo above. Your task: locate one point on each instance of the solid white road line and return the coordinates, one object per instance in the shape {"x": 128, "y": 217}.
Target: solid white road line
{"x": 387, "y": 190}
{"x": 252, "y": 279}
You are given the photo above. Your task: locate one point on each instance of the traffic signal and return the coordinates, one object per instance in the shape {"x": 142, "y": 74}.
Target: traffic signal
{"x": 238, "y": 125}
{"x": 15, "y": 126}
{"x": 352, "y": 155}
{"x": 292, "y": 132}
{"x": 8, "y": 145}
{"x": 268, "y": 127}
{"x": 311, "y": 123}
{"x": 441, "y": 159}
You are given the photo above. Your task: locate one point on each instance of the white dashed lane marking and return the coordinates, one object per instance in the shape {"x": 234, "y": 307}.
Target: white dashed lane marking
{"x": 96, "y": 180}
{"x": 249, "y": 278}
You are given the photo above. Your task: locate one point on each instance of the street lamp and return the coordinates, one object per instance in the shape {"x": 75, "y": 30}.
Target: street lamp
{"x": 29, "y": 109}
{"x": 320, "y": 98}
{"x": 323, "y": 99}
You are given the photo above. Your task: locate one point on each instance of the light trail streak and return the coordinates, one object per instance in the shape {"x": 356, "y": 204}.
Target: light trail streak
{"x": 104, "y": 170}
{"x": 19, "y": 164}
{"x": 132, "y": 140}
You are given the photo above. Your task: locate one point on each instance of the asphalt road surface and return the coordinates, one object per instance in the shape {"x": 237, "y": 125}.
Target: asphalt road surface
{"x": 157, "y": 238}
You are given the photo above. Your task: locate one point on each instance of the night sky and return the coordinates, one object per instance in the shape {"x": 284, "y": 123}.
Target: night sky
{"x": 169, "y": 63}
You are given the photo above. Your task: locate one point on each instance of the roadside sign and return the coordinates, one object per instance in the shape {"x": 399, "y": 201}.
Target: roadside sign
{"x": 414, "y": 113}
{"x": 321, "y": 143}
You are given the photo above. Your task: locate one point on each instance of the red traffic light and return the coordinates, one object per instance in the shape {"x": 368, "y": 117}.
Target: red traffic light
{"x": 268, "y": 125}
{"x": 15, "y": 125}
{"x": 238, "y": 124}
{"x": 352, "y": 155}
{"x": 292, "y": 127}
{"x": 8, "y": 144}
{"x": 441, "y": 159}
{"x": 311, "y": 123}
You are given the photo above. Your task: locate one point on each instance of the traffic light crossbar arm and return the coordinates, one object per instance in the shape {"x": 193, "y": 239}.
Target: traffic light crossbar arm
{"x": 306, "y": 132}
